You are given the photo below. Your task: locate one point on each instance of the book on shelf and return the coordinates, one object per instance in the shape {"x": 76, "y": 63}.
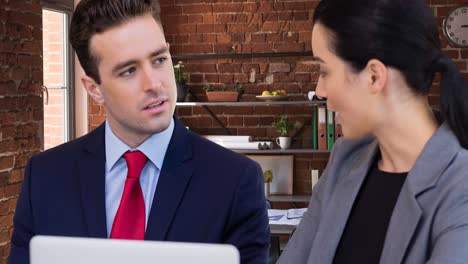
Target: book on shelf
{"x": 330, "y": 129}
{"x": 322, "y": 128}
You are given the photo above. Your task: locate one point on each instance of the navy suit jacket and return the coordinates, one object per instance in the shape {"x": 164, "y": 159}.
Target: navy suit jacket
{"x": 205, "y": 193}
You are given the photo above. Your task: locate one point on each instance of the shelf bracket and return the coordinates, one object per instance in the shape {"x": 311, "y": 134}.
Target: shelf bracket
{"x": 215, "y": 118}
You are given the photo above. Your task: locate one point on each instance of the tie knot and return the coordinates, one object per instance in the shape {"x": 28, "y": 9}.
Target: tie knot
{"x": 135, "y": 162}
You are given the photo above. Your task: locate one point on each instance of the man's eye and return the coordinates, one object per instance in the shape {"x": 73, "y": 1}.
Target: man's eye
{"x": 128, "y": 72}
{"x": 323, "y": 74}
{"x": 160, "y": 60}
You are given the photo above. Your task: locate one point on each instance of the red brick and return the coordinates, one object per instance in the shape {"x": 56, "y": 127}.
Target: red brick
{"x": 194, "y": 19}
{"x": 185, "y": 28}
{"x": 232, "y": 18}
{"x": 4, "y": 236}
{"x": 241, "y": 78}
{"x": 202, "y": 68}
{"x": 7, "y": 146}
{"x": 235, "y": 121}
{"x": 302, "y": 16}
{"x": 29, "y": 47}
{"x": 199, "y": 48}
{"x": 238, "y": 28}
{"x": 300, "y": 26}
{"x": 205, "y": 122}
{"x": 289, "y": 47}
{"x": 197, "y": 9}
{"x": 209, "y": 38}
{"x": 302, "y": 77}
{"x": 241, "y": 110}
{"x": 224, "y": 48}
{"x": 184, "y": 111}
{"x": 231, "y": 68}
{"x": 12, "y": 190}
{"x": 211, "y": 78}
{"x": 6, "y": 221}
{"x": 286, "y": 16}
{"x": 195, "y": 38}
{"x": 223, "y": 38}
{"x": 251, "y": 121}
{"x": 265, "y": 6}
{"x": 262, "y": 47}
{"x": 196, "y": 78}
{"x": 238, "y": 37}
{"x": 6, "y": 162}
{"x": 228, "y": 8}
{"x": 256, "y": 132}
{"x": 279, "y": 67}
{"x": 226, "y": 78}
{"x": 270, "y": 16}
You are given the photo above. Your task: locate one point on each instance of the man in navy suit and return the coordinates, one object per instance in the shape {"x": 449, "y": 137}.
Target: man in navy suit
{"x": 192, "y": 189}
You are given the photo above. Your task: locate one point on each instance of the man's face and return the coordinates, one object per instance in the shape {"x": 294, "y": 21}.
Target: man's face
{"x": 138, "y": 88}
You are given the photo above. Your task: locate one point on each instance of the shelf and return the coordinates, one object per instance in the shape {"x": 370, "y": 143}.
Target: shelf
{"x": 289, "y": 198}
{"x": 281, "y": 229}
{"x": 256, "y": 103}
{"x": 279, "y": 151}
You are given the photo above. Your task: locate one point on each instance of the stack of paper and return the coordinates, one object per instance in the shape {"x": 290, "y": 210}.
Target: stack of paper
{"x": 286, "y": 217}
{"x": 239, "y": 142}
{"x": 216, "y": 138}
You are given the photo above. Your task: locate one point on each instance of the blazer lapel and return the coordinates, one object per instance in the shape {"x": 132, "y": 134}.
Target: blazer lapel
{"x": 173, "y": 181}
{"x": 436, "y": 156}
{"x": 338, "y": 209}
{"x": 91, "y": 173}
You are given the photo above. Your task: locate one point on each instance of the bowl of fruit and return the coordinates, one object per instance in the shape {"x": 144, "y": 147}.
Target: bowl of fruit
{"x": 277, "y": 95}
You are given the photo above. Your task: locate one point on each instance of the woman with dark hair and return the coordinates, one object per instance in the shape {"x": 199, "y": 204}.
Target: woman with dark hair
{"x": 395, "y": 189}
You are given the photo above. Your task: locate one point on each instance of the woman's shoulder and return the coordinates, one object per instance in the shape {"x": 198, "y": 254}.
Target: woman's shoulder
{"x": 346, "y": 148}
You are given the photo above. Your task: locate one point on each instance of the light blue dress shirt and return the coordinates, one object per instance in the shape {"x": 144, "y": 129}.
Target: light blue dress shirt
{"x": 154, "y": 148}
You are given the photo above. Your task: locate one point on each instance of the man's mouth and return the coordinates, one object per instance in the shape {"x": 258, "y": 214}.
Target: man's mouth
{"x": 154, "y": 105}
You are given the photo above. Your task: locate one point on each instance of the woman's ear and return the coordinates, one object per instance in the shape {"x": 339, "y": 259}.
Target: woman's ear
{"x": 93, "y": 89}
{"x": 377, "y": 74}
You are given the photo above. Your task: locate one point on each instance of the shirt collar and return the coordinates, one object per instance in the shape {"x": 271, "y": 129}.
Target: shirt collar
{"x": 154, "y": 147}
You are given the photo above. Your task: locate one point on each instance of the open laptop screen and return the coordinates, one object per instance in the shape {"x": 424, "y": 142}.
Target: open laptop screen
{"x": 60, "y": 250}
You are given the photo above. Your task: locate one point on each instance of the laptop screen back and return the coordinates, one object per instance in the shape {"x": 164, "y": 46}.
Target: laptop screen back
{"x": 59, "y": 250}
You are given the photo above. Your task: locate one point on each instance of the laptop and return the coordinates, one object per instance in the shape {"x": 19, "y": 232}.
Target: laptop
{"x": 71, "y": 250}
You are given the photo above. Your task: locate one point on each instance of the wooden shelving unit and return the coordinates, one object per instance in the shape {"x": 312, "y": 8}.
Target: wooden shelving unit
{"x": 255, "y": 103}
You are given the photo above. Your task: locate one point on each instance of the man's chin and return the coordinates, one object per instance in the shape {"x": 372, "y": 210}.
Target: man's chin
{"x": 160, "y": 125}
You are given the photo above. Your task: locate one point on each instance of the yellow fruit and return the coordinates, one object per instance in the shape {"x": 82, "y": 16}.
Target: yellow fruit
{"x": 274, "y": 93}
{"x": 283, "y": 92}
{"x": 266, "y": 93}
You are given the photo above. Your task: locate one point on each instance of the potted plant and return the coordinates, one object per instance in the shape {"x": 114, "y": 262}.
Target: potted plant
{"x": 181, "y": 78}
{"x": 223, "y": 94}
{"x": 283, "y": 126}
{"x": 267, "y": 178}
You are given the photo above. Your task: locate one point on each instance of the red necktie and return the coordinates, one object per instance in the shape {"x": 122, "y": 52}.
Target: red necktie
{"x": 129, "y": 222}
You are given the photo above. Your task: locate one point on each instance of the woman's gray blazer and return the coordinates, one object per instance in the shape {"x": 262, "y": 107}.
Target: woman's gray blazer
{"x": 429, "y": 223}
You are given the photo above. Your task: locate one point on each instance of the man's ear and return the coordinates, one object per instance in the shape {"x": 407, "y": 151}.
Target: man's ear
{"x": 93, "y": 89}
{"x": 377, "y": 74}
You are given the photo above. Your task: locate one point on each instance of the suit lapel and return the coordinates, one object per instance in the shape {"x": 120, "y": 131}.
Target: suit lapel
{"x": 405, "y": 219}
{"x": 436, "y": 156}
{"x": 338, "y": 209}
{"x": 173, "y": 181}
{"x": 91, "y": 173}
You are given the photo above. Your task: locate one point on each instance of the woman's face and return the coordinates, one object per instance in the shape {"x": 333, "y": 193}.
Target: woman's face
{"x": 346, "y": 91}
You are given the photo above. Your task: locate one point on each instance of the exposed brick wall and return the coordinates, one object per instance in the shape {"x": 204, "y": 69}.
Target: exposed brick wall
{"x": 96, "y": 115}
{"x": 21, "y": 109}
{"x": 201, "y": 26}
{"x": 53, "y": 78}
{"x": 248, "y": 27}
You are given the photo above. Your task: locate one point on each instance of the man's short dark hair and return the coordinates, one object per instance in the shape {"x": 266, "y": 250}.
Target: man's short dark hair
{"x": 97, "y": 16}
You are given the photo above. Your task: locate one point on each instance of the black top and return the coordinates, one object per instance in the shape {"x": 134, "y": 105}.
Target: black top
{"x": 364, "y": 235}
